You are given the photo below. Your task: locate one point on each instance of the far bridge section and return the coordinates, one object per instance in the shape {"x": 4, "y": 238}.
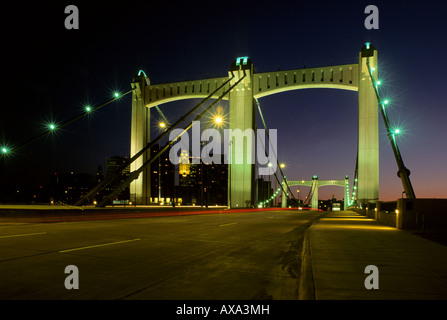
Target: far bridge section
{"x": 315, "y": 183}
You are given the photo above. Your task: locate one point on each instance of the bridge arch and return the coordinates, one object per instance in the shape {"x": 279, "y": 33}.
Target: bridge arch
{"x": 343, "y": 77}
{"x": 168, "y": 92}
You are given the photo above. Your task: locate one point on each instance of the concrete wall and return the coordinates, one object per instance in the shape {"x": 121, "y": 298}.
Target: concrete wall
{"x": 388, "y": 218}
{"x": 427, "y": 215}
{"x": 385, "y": 212}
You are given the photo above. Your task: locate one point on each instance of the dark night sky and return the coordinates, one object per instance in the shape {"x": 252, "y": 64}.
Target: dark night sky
{"x": 50, "y": 72}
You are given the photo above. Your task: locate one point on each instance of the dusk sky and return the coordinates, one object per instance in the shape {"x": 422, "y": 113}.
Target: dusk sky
{"x": 51, "y": 72}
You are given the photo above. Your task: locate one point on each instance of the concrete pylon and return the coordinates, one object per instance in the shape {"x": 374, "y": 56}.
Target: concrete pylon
{"x": 242, "y": 139}
{"x": 368, "y": 129}
{"x": 284, "y": 194}
{"x": 314, "y": 193}
{"x": 346, "y": 193}
{"x": 140, "y": 189}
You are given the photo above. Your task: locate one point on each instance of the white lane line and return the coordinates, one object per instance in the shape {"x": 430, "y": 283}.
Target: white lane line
{"x": 98, "y": 245}
{"x": 227, "y": 224}
{"x": 23, "y": 235}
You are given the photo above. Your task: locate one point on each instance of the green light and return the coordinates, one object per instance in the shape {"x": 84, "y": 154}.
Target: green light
{"x": 4, "y": 150}
{"x": 52, "y": 126}
{"x": 386, "y": 102}
{"x": 367, "y": 45}
{"x": 396, "y": 131}
{"x": 116, "y": 94}
{"x": 378, "y": 82}
{"x": 244, "y": 61}
{"x": 88, "y": 108}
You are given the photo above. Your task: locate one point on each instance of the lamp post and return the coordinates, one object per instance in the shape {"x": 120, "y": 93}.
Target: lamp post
{"x": 217, "y": 120}
{"x": 284, "y": 188}
{"x": 229, "y": 174}
{"x": 270, "y": 187}
{"x": 161, "y": 125}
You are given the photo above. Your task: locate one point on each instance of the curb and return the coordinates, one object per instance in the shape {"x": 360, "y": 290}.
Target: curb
{"x": 306, "y": 289}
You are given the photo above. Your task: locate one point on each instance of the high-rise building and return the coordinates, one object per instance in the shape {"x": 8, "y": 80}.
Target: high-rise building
{"x": 70, "y": 186}
{"x": 204, "y": 184}
{"x": 112, "y": 165}
{"x": 264, "y": 189}
{"x": 162, "y": 178}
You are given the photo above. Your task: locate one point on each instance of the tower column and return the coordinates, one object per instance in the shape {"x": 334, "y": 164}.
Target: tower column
{"x": 315, "y": 193}
{"x": 241, "y": 136}
{"x": 346, "y": 193}
{"x": 284, "y": 194}
{"x": 140, "y": 189}
{"x": 368, "y": 129}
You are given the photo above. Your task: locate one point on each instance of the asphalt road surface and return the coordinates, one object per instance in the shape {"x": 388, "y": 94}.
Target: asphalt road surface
{"x": 231, "y": 256}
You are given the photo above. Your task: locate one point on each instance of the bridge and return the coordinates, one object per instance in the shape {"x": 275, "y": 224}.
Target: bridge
{"x": 314, "y": 184}
{"x": 243, "y": 87}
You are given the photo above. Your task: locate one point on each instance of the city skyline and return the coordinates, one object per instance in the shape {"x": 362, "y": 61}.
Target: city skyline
{"x": 317, "y": 128}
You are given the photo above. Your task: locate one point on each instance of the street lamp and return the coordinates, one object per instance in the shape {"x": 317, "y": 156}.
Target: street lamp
{"x": 161, "y": 125}
{"x": 218, "y": 120}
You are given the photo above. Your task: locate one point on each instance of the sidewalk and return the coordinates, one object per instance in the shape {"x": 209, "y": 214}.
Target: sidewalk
{"x": 342, "y": 244}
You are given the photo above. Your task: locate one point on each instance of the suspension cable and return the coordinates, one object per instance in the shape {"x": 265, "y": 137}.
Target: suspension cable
{"x": 403, "y": 172}
{"x": 309, "y": 196}
{"x": 273, "y": 149}
{"x": 117, "y": 173}
{"x": 67, "y": 122}
{"x": 134, "y": 175}
{"x": 162, "y": 115}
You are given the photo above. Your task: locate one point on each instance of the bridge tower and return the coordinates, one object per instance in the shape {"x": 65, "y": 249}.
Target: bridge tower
{"x": 241, "y": 171}
{"x": 140, "y": 189}
{"x": 368, "y": 129}
{"x": 314, "y": 192}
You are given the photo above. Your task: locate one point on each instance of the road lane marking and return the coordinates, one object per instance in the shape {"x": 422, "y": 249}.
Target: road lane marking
{"x": 23, "y": 235}
{"x": 98, "y": 245}
{"x": 227, "y": 224}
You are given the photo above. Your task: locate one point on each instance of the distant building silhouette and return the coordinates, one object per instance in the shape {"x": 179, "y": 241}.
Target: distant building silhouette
{"x": 112, "y": 165}
{"x": 203, "y": 184}
{"x": 69, "y": 187}
{"x": 162, "y": 178}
